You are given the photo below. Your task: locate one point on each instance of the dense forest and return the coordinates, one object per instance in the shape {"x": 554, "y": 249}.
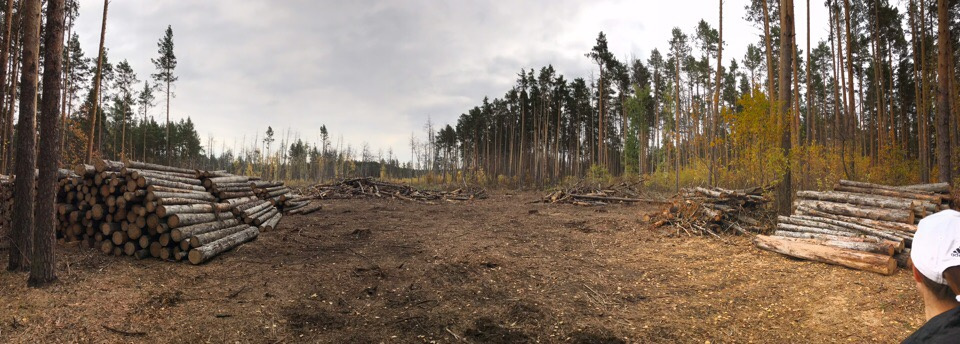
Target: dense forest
{"x": 864, "y": 103}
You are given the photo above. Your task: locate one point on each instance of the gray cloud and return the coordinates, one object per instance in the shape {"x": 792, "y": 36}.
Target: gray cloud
{"x": 373, "y": 71}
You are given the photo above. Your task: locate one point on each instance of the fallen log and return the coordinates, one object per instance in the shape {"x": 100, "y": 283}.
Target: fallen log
{"x": 205, "y": 252}
{"x": 894, "y": 226}
{"x": 871, "y": 262}
{"x": 857, "y": 227}
{"x": 155, "y": 167}
{"x": 874, "y": 201}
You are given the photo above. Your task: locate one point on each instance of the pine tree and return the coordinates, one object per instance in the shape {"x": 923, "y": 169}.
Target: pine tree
{"x": 25, "y": 187}
{"x": 165, "y": 65}
{"x": 42, "y": 266}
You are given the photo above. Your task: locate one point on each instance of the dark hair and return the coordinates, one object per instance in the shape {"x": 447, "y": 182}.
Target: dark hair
{"x": 947, "y": 291}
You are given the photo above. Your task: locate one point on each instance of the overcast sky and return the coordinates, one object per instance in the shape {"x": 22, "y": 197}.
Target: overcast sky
{"x": 374, "y": 71}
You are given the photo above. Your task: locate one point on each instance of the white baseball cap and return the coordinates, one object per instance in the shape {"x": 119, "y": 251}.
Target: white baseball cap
{"x": 936, "y": 245}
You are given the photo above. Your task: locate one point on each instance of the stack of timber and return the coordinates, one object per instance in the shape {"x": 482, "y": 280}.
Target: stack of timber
{"x": 226, "y": 186}
{"x": 279, "y": 195}
{"x": 148, "y": 210}
{"x": 858, "y": 225}
{"x": 716, "y": 211}
{"x": 595, "y": 195}
{"x": 367, "y": 187}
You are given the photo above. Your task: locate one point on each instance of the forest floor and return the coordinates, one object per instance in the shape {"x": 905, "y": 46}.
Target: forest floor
{"x": 496, "y": 270}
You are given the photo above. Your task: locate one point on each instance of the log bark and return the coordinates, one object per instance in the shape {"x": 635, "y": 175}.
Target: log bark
{"x": 178, "y": 178}
{"x": 878, "y": 248}
{"x": 182, "y": 233}
{"x": 259, "y": 209}
{"x": 935, "y": 188}
{"x": 167, "y": 210}
{"x": 266, "y": 216}
{"x": 806, "y": 229}
{"x": 893, "y": 215}
{"x": 155, "y": 167}
{"x": 272, "y": 222}
{"x": 892, "y": 193}
{"x": 206, "y": 238}
{"x": 880, "y": 233}
{"x": 181, "y": 220}
{"x": 177, "y": 201}
{"x": 849, "y": 258}
{"x": 107, "y": 165}
{"x": 868, "y": 200}
{"x": 894, "y": 226}
{"x": 206, "y": 197}
{"x": 147, "y": 181}
{"x": 204, "y": 253}
{"x": 307, "y": 209}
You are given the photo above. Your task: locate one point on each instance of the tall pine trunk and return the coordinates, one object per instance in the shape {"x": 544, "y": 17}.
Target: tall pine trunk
{"x": 25, "y": 185}
{"x": 785, "y": 189}
{"x": 96, "y": 86}
{"x": 42, "y": 266}
{"x": 944, "y": 53}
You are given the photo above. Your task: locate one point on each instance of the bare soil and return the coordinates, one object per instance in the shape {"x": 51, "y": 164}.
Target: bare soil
{"x": 499, "y": 270}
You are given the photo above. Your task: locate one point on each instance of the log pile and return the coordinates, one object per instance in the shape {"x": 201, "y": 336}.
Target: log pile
{"x": 372, "y": 188}
{"x": 596, "y": 195}
{"x": 715, "y": 211}
{"x": 859, "y": 225}
{"x": 147, "y": 210}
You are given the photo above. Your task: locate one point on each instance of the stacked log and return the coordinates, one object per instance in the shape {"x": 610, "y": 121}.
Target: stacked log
{"x": 862, "y": 225}
{"x": 713, "y": 211}
{"x": 595, "y": 195}
{"x": 226, "y": 186}
{"x": 147, "y": 210}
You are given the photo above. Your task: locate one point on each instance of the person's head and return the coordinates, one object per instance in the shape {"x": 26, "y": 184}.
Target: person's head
{"x": 936, "y": 258}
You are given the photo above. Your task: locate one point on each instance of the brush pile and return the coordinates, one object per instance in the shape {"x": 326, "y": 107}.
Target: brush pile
{"x": 714, "y": 211}
{"x": 859, "y": 225}
{"x": 148, "y": 210}
{"x": 596, "y": 195}
{"x": 372, "y": 188}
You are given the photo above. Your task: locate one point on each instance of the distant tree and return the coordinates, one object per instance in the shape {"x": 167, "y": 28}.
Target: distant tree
{"x": 943, "y": 125}
{"x": 165, "y": 65}
{"x": 145, "y": 100}
{"x": 126, "y": 78}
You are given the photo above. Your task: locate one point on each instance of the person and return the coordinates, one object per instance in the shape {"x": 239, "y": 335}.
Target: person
{"x": 936, "y": 269}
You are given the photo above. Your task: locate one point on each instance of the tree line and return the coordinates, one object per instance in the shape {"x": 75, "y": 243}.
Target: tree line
{"x": 876, "y": 99}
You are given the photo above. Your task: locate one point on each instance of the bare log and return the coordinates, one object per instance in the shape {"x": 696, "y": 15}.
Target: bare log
{"x": 180, "y": 220}
{"x": 894, "y": 215}
{"x": 831, "y": 255}
{"x": 167, "y": 210}
{"x": 182, "y": 233}
{"x": 206, "y": 238}
{"x": 205, "y": 252}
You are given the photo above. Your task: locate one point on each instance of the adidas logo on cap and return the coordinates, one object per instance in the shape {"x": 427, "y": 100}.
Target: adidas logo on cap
{"x": 955, "y": 253}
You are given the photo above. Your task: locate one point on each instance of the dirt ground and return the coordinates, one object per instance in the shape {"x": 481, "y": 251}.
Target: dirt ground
{"x": 500, "y": 270}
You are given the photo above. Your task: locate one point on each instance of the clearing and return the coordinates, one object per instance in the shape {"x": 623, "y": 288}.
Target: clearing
{"x": 495, "y": 270}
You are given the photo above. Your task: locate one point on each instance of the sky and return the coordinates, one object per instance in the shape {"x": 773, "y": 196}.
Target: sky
{"x": 374, "y": 71}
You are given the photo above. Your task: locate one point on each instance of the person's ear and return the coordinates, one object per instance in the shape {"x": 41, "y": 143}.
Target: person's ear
{"x": 916, "y": 275}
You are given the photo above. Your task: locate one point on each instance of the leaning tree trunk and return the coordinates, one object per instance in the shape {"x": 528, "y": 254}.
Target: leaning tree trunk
{"x": 96, "y": 85}
{"x": 25, "y": 185}
{"x": 42, "y": 270}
